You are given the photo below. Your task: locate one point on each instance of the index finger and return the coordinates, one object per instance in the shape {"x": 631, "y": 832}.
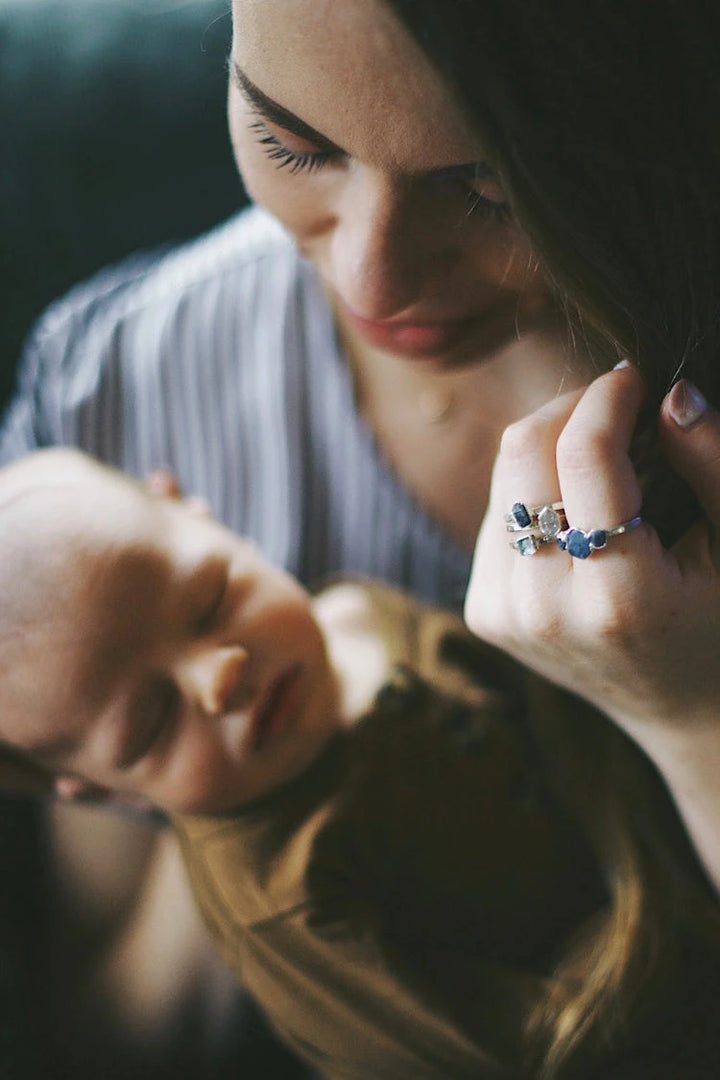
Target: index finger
{"x": 600, "y": 488}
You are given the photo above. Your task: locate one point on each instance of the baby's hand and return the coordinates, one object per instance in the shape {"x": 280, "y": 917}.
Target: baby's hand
{"x": 162, "y": 481}
{"x": 355, "y": 645}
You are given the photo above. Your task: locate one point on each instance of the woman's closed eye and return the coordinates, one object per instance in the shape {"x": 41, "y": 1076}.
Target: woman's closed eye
{"x": 480, "y": 188}
{"x": 295, "y": 161}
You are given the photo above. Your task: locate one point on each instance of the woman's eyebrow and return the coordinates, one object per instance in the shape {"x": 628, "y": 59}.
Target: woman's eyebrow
{"x": 276, "y": 114}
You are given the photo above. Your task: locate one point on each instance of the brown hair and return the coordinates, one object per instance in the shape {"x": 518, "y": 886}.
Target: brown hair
{"x": 602, "y": 119}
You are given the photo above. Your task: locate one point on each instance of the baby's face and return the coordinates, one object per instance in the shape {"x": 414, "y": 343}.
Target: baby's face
{"x": 176, "y": 664}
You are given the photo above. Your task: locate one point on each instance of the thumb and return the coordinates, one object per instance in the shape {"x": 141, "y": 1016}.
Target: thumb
{"x": 690, "y": 436}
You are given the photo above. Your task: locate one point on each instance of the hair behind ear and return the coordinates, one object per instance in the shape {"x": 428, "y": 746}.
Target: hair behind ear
{"x": 601, "y": 118}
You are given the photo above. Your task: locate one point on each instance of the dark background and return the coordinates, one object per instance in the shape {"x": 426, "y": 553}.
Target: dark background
{"x": 112, "y": 139}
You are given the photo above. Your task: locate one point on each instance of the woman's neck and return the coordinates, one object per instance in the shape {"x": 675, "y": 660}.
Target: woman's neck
{"x": 440, "y": 427}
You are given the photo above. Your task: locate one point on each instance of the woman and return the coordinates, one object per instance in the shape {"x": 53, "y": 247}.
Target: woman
{"x": 499, "y": 201}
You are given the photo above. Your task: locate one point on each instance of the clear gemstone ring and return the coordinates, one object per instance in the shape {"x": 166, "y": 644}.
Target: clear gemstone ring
{"x": 548, "y": 518}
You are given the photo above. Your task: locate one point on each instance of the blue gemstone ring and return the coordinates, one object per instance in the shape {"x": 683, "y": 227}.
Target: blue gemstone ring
{"x": 547, "y": 524}
{"x": 581, "y": 544}
{"x": 529, "y": 544}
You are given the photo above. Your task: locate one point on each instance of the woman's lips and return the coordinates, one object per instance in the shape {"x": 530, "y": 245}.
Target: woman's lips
{"x": 409, "y": 338}
{"x": 278, "y": 708}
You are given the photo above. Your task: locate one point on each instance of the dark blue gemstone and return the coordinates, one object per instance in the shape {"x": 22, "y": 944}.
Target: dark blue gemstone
{"x": 520, "y": 514}
{"x": 578, "y": 544}
{"x": 598, "y": 538}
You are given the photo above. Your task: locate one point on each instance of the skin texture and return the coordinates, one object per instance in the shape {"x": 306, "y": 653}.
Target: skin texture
{"x": 165, "y": 640}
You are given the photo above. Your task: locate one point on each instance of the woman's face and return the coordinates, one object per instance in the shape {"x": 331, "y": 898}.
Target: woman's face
{"x": 344, "y": 131}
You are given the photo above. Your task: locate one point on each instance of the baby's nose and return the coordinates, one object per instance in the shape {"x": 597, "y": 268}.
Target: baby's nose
{"x": 212, "y": 676}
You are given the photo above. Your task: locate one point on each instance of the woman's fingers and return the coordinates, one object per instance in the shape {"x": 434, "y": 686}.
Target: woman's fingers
{"x": 526, "y": 463}
{"x": 599, "y": 485}
{"x": 690, "y": 435}
{"x": 525, "y": 472}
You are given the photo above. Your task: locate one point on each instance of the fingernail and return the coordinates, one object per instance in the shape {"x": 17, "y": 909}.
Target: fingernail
{"x": 685, "y": 403}
{"x": 624, "y": 363}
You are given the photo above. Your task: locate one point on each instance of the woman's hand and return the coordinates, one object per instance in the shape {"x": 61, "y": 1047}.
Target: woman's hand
{"x": 634, "y": 628}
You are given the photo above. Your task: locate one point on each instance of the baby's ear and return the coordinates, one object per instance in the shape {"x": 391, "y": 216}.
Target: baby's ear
{"x": 76, "y": 790}
{"x": 73, "y": 789}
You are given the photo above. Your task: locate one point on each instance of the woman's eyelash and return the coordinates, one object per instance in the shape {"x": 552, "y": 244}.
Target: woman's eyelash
{"x": 293, "y": 160}
{"x": 479, "y": 204}
{"x": 297, "y": 161}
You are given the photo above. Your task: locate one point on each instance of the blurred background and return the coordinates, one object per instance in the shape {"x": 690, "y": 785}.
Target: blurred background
{"x": 112, "y": 139}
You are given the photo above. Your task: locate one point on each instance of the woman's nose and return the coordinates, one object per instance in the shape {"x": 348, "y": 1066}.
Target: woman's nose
{"x": 210, "y": 677}
{"x": 382, "y": 247}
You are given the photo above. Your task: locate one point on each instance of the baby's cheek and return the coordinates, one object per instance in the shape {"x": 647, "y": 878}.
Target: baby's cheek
{"x": 198, "y": 771}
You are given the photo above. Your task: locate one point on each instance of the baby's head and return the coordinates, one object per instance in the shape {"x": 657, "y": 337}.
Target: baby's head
{"x": 146, "y": 649}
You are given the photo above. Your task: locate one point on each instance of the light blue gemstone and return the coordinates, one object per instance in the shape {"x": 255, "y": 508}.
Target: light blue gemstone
{"x": 598, "y": 538}
{"x": 526, "y": 545}
{"x": 578, "y": 544}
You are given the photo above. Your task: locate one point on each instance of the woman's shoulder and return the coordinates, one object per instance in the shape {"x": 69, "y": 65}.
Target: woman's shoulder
{"x": 249, "y": 259}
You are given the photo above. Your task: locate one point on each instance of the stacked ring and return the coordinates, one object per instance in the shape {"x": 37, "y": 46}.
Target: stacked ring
{"x": 547, "y": 524}
{"x": 549, "y": 518}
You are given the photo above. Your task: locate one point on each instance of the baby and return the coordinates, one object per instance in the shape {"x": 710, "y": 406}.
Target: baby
{"x": 383, "y": 870}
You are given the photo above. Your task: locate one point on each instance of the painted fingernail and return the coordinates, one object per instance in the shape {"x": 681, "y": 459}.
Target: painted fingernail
{"x": 624, "y": 363}
{"x": 685, "y": 403}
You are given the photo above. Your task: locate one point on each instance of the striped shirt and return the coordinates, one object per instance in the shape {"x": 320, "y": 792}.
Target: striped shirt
{"x": 220, "y": 360}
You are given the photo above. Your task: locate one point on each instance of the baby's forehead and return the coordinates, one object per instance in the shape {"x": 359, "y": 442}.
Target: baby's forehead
{"x": 69, "y": 536}
{"x": 62, "y": 491}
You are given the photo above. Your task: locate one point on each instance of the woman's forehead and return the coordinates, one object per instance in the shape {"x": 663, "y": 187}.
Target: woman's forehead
{"x": 341, "y": 66}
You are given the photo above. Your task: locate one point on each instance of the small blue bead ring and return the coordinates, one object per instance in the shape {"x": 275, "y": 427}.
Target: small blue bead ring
{"x": 581, "y": 544}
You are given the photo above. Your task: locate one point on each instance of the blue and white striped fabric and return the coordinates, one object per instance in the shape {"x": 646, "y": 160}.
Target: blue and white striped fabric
{"x": 219, "y": 359}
